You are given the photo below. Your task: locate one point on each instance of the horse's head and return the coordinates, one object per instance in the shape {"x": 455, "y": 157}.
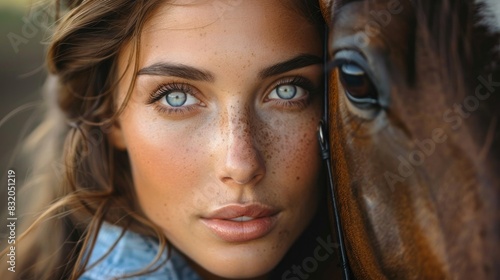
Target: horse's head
{"x": 415, "y": 136}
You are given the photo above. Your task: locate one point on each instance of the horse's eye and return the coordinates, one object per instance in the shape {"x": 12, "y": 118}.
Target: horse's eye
{"x": 357, "y": 85}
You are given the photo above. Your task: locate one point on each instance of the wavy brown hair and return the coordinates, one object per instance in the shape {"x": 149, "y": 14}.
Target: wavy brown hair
{"x": 79, "y": 174}
{"x": 86, "y": 182}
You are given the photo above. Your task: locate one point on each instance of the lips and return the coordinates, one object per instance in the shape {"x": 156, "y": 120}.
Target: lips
{"x": 241, "y": 223}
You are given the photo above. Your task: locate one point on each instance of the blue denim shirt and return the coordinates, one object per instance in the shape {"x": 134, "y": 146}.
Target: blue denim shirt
{"x": 131, "y": 254}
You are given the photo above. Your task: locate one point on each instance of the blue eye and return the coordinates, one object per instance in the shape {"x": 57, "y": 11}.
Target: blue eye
{"x": 179, "y": 99}
{"x": 176, "y": 98}
{"x": 287, "y": 92}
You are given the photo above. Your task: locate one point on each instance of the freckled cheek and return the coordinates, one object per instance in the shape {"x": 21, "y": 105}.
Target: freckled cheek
{"x": 291, "y": 143}
{"x": 162, "y": 168}
{"x": 298, "y": 168}
{"x": 293, "y": 156}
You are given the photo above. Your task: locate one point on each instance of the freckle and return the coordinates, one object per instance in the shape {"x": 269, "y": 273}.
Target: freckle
{"x": 298, "y": 178}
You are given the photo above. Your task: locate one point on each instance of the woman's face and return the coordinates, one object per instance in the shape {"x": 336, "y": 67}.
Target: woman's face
{"x": 221, "y": 130}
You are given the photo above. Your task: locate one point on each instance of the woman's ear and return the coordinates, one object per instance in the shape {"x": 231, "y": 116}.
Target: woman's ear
{"x": 116, "y": 136}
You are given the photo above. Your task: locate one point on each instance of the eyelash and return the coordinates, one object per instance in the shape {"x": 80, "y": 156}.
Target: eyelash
{"x": 299, "y": 81}
{"x": 162, "y": 90}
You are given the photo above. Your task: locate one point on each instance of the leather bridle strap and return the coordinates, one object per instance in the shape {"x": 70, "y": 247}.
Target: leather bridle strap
{"x": 325, "y": 154}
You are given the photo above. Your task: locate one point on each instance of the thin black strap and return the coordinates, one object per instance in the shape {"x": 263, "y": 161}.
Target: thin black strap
{"x": 325, "y": 154}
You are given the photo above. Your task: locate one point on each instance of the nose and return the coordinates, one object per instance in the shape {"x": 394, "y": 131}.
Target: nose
{"x": 242, "y": 162}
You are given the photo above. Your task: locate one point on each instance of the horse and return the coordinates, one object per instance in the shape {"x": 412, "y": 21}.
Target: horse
{"x": 413, "y": 122}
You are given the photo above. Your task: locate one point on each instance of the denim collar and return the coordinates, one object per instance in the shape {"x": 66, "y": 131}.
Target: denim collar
{"x": 132, "y": 253}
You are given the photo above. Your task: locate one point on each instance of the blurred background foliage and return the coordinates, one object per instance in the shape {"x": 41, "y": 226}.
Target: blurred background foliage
{"x": 22, "y": 75}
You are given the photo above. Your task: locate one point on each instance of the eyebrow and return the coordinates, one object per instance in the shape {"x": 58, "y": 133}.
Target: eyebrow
{"x": 300, "y": 61}
{"x": 192, "y": 73}
{"x": 177, "y": 70}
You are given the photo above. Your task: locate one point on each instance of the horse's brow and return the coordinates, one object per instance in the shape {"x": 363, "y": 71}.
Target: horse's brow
{"x": 337, "y": 4}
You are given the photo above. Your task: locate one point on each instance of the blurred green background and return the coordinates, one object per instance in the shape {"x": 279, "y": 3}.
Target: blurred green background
{"x": 22, "y": 74}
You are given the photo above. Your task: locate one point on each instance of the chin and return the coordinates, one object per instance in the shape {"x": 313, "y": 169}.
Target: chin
{"x": 247, "y": 263}
{"x": 238, "y": 270}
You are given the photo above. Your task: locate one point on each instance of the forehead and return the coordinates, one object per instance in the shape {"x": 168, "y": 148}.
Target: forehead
{"x": 190, "y": 14}
{"x": 238, "y": 29}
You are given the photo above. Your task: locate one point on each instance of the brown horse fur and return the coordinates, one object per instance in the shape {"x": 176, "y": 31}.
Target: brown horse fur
{"x": 418, "y": 176}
